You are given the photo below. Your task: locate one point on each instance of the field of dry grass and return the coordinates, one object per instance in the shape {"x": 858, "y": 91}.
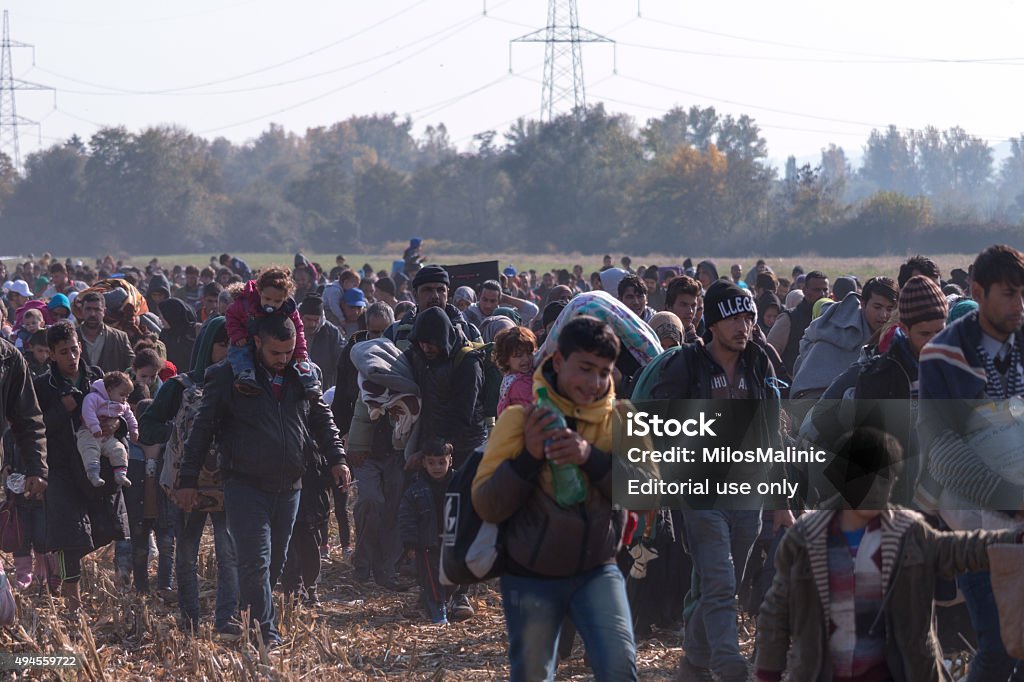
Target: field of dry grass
{"x": 359, "y": 633}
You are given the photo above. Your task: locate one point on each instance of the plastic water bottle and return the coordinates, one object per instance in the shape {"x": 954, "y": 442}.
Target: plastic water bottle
{"x": 568, "y": 483}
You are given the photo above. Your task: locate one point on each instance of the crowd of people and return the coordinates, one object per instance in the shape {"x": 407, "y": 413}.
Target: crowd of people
{"x": 140, "y": 403}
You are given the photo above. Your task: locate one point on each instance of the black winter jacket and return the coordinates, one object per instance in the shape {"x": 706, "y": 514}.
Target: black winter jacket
{"x": 263, "y": 441}
{"x": 20, "y": 409}
{"x": 450, "y": 386}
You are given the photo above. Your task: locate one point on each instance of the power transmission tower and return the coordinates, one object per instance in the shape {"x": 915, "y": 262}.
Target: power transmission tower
{"x": 9, "y": 119}
{"x": 563, "y": 40}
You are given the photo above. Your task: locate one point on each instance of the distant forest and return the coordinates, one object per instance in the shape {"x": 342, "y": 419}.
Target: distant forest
{"x": 692, "y": 180}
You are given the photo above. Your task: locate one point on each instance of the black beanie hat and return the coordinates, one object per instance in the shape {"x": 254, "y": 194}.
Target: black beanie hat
{"x": 726, "y": 299}
{"x": 431, "y": 274}
{"x": 312, "y": 305}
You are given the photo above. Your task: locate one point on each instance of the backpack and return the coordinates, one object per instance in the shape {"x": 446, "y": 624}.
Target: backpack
{"x": 472, "y": 550}
{"x": 492, "y": 375}
{"x": 210, "y": 485}
{"x": 649, "y": 375}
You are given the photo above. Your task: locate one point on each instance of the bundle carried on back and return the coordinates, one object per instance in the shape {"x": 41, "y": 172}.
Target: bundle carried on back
{"x": 635, "y": 334}
{"x": 124, "y": 303}
{"x": 386, "y": 385}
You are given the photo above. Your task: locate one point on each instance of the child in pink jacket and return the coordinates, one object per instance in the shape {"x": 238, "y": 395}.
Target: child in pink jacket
{"x": 513, "y": 354}
{"x": 108, "y": 399}
{"x": 268, "y": 295}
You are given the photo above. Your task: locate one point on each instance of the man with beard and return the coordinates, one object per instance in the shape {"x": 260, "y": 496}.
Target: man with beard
{"x": 103, "y": 346}
{"x": 430, "y": 289}
{"x": 965, "y": 370}
{"x": 729, "y": 367}
{"x": 264, "y": 451}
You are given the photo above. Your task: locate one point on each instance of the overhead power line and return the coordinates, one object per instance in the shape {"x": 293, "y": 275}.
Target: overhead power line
{"x": 196, "y": 86}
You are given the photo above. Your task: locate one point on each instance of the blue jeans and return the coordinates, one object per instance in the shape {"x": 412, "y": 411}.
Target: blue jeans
{"x": 261, "y": 525}
{"x": 240, "y": 359}
{"x": 595, "y": 601}
{"x": 990, "y": 663}
{"x": 719, "y": 543}
{"x": 189, "y": 528}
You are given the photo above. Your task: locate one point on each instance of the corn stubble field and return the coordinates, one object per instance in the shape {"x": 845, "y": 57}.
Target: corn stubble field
{"x": 358, "y": 633}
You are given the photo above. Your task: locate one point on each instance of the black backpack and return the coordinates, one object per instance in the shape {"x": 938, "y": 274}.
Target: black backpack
{"x": 472, "y": 551}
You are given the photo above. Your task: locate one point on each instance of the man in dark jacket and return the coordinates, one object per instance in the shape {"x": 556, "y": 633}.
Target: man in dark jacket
{"x": 728, "y": 367}
{"x": 79, "y": 517}
{"x": 264, "y": 441}
{"x": 323, "y": 338}
{"x": 378, "y": 470}
{"x": 450, "y": 376}
{"x": 155, "y": 426}
{"x": 430, "y": 289}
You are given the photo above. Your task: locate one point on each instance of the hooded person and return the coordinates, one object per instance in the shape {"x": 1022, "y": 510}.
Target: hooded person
{"x": 463, "y": 298}
{"x": 834, "y": 340}
{"x": 179, "y": 336}
{"x": 668, "y": 327}
{"x": 706, "y": 273}
{"x": 493, "y": 325}
{"x": 159, "y": 289}
{"x": 768, "y": 309}
{"x": 59, "y": 301}
{"x": 450, "y": 376}
{"x": 843, "y": 286}
{"x": 610, "y": 279}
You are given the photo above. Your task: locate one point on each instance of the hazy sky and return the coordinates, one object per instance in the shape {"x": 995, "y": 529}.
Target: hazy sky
{"x": 810, "y": 73}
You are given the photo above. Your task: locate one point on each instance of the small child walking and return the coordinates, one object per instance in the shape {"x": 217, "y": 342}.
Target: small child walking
{"x": 513, "y": 354}
{"x": 419, "y": 522}
{"x": 108, "y": 399}
{"x": 268, "y": 295}
{"x": 32, "y": 514}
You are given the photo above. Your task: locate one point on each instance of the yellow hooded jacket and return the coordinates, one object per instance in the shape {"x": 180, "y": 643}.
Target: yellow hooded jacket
{"x": 512, "y": 486}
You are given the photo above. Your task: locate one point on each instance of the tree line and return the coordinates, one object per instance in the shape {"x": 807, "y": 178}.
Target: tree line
{"x": 693, "y": 180}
